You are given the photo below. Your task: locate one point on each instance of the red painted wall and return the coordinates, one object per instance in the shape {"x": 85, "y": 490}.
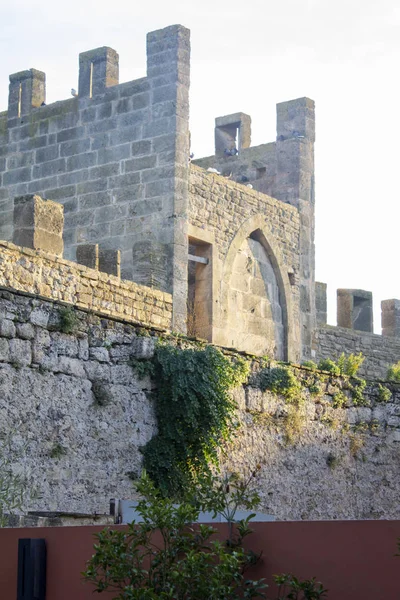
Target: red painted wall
{"x": 353, "y": 559}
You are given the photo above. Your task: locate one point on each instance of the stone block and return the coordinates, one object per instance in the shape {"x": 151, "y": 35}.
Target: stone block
{"x": 390, "y": 318}
{"x": 100, "y": 354}
{"x": 4, "y": 350}
{"x": 320, "y": 303}
{"x": 27, "y": 90}
{"x": 20, "y": 352}
{"x": 88, "y": 255}
{"x": 38, "y": 224}
{"x": 110, "y": 261}
{"x": 7, "y": 328}
{"x": 143, "y": 347}
{"x": 25, "y": 331}
{"x": 296, "y": 119}
{"x": 354, "y": 310}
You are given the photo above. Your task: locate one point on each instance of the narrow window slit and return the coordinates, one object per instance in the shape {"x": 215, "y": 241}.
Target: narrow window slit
{"x": 91, "y": 81}
{"x": 19, "y": 99}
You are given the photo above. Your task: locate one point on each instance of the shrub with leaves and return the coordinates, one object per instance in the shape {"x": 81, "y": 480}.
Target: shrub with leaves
{"x": 384, "y": 394}
{"x": 349, "y": 365}
{"x": 280, "y": 380}
{"x": 291, "y": 588}
{"x": 326, "y": 364}
{"x": 194, "y": 410}
{"x": 310, "y": 364}
{"x": 393, "y": 373}
{"x": 68, "y": 319}
{"x": 166, "y": 556}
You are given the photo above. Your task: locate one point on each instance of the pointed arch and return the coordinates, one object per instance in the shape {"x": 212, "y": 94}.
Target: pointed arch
{"x": 257, "y": 228}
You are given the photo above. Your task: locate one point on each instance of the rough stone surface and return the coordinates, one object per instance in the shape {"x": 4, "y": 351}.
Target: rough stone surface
{"x": 85, "y": 415}
{"x": 59, "y": 279}
{"x": 39, "y": 224}
{"x": 115, "y": 156}
{"x": 253, "y": 268}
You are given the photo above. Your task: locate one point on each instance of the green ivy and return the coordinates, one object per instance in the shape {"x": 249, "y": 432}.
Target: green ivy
{"x": 194, "y": 412}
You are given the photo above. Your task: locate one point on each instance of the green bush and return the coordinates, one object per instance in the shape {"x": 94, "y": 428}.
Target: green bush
{"x": 68, "y": 319}
{"x": 384, "y": 394}
{"x": 280, "y": 380}
{"x": 326, "y": 364}
{"x": 357, "y": 388}
{"x": 393, "y": 373}
{"x": 349, "y": 365}
{"x": 310, "y": 364}
{"x": 165, "y": 556}
{"x": 291, "y": 588}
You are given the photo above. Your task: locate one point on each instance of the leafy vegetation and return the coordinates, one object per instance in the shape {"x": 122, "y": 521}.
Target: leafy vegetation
{"x": 384, "y": 394}
{"x": 166, "y": 556}
{"x": 349, "y": 365}
{"x": 310, "y": 364}
{"x": 194, "y": 410}
{"x": 291, "y": 588}
{"x": 280, "y": 380}
{"x": 68, "y": 319}
{"x": 393, "y": 373}
{"x": 327, "y": 364}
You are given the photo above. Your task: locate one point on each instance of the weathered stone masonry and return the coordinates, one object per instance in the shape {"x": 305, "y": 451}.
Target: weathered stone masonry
{"x": 77, "y": 402}
{"x": 227, "y": 255}
{"x": 115, "y": 156}
{"x": 54, "y": 278}
{"x": 230, "y": 218}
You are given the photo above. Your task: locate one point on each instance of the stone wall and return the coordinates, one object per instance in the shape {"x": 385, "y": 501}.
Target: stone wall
{"x": 342, "y": 464}
{"x": 77, "y": 403}
{"x": 54, "y": 278}
{"x": 254, "y": 264}
{"x": 380, "y": 351}
{"x": 116, "y": 156}
{"x": 74, "y": 400}
{"x": 283, "y": 169}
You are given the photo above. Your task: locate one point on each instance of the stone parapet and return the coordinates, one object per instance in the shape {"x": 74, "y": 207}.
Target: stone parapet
{"x": 380, "y": 352}
{"x": 58, "y": 279}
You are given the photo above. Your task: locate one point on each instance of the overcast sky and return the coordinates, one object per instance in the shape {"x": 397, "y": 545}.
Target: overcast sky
{"x": 247, "y": 56}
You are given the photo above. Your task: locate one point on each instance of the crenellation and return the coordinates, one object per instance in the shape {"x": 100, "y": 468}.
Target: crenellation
{"x": 221, "y": 248}
{"x": 98, "y": 69}
{"x": 390, "y": 318}
{"x": 27, "y": 90}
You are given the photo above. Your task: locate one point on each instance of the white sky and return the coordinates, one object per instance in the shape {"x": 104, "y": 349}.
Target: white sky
{"x": 247, "y": 56}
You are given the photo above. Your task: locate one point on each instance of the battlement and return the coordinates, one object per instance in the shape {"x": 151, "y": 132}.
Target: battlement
{"x": 354, "y": 330}
{"x": 115, "y": 155}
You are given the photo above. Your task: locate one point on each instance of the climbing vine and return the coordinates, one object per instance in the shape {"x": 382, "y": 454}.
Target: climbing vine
{"x": 194, "y": 411}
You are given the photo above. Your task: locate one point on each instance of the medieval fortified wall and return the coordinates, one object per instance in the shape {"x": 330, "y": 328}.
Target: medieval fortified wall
{"x": 112, "y": 237}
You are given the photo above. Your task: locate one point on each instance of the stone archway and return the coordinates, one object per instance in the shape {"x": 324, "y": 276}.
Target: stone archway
{"x": 256, "y": 293}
